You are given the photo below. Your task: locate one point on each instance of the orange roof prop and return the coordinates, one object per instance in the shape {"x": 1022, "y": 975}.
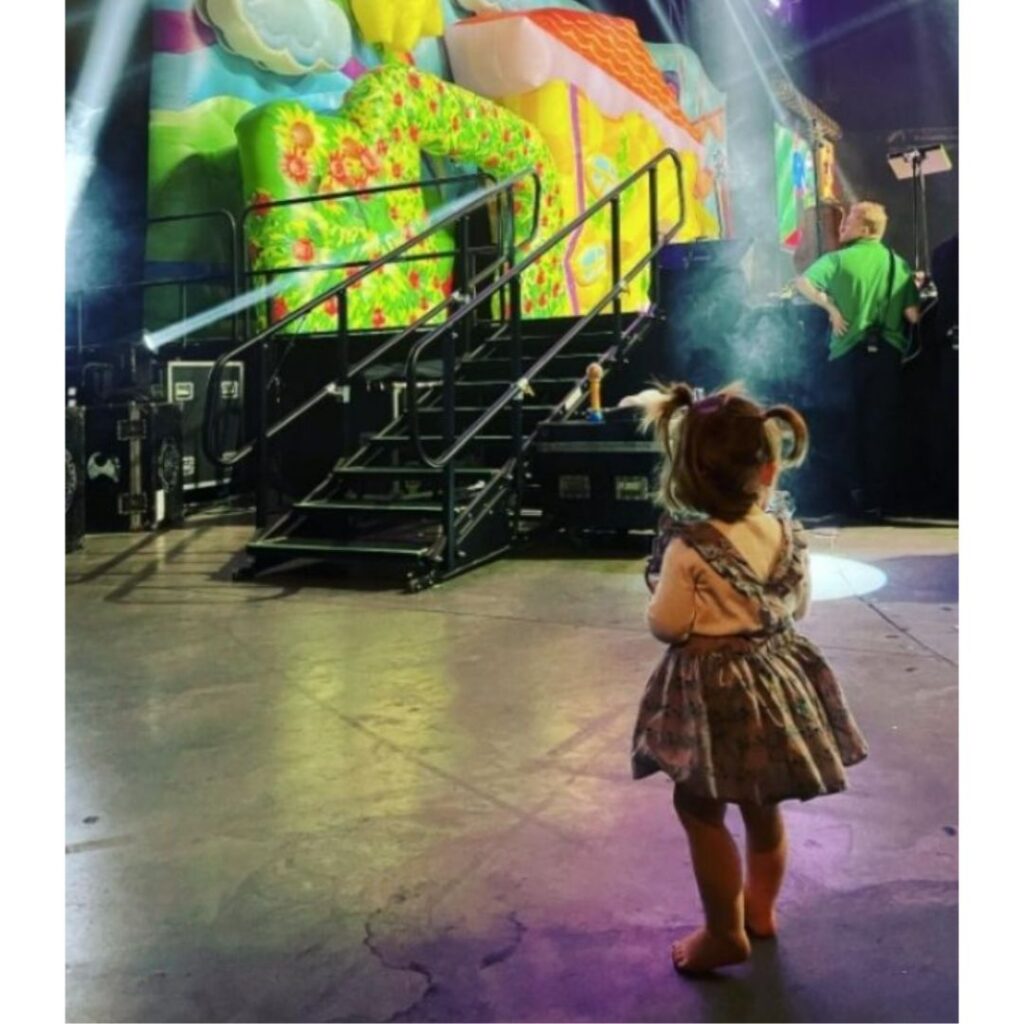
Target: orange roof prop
{"x": 611, "y": 44}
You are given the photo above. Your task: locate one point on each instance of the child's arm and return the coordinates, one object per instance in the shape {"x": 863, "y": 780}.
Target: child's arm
{"x": 671, "y": 611}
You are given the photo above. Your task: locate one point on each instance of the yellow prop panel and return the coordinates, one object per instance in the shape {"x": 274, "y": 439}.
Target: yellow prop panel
{"x": 398, "y": 24}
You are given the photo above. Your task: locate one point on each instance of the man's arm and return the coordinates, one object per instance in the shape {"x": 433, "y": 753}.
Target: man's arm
{"x": 820, "y": 298}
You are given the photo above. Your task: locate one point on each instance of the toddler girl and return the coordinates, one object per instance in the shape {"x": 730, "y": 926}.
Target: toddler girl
{"x": 741, "y": 708}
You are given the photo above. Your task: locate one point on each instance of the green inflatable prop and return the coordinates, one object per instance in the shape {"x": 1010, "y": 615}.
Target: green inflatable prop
{"x": 389, "y": 116}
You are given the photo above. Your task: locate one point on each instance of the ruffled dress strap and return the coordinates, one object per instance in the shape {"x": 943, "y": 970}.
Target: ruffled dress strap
{"x": 669, "y": 529}
{"x": 790, "y": 571}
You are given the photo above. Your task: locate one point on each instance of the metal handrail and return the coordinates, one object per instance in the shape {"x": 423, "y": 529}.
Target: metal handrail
{"x": 333, "y": 389}
{"x": 516, "y": 390}
{"x": 232, "y": 274}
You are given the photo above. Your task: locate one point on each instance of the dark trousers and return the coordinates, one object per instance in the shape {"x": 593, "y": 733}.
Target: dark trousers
{"x": 865, "y": 391}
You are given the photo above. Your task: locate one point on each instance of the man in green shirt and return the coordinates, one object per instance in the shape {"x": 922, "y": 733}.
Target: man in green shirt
{"x": 869, "y": 294}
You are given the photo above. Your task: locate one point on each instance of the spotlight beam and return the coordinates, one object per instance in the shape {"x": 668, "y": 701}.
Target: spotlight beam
{"x": 671, "y": 32}
{"x": 776, "y": 107}
{"x": 87, "y": 111}
{"x": 849, "y": 27}
{"x": 776, "y": 59}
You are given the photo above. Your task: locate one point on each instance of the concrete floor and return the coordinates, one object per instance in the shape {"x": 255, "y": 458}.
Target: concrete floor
{"x": 313, "y": 802}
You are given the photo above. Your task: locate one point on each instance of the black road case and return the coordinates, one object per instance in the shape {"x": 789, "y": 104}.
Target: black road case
{"x": 187, "y": 384}
{"x": 597, "y": 476}
{"x": 133, "y": 467}
{"x": 74, "y": 477}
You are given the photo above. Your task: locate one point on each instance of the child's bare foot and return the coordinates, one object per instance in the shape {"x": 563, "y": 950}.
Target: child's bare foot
{"x": 759, "y": 918}
{"x": 701, "y": 951}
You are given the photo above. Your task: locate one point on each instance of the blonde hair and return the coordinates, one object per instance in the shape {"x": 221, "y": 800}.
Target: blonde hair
{"x": 873, "y": 217}
{"x": 716, "y": 448}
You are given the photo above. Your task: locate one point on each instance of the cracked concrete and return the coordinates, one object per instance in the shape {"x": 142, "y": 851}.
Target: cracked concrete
{"x": 305, "y": 801}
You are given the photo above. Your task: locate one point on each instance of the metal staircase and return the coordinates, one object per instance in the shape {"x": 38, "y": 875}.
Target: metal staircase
{"x": 445, "y": 486}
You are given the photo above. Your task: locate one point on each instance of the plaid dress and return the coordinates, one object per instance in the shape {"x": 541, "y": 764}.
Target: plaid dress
{"x": 753, "y": 717}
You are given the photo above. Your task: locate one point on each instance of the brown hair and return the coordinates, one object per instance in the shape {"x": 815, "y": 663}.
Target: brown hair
{"x": 717, "y": 448}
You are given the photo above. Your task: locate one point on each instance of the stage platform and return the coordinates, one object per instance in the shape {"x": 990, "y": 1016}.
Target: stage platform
{"x": 303, "y": 799}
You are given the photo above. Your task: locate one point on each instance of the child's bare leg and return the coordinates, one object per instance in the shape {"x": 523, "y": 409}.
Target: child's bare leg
{"x": 719, "y": 873}
{"x": 766, "y": 866}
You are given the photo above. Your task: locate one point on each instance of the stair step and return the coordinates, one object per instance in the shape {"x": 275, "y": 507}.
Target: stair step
{"x": 498, "y": 364}
{"x": 411, "y": 472}
{"x": 329, "y": 547}
{"x": 364, "y": 505}
{"x": 392, "y": 440}
{"x": 504, "y": 382}
{"x": 468, "y": 410}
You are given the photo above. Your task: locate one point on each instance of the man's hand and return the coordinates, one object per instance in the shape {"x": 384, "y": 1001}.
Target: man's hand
{"x": 836, "y": 319}
{"x": 820, "y": 298}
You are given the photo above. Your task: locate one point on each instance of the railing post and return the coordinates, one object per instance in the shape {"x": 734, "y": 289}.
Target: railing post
{"x": 182, "y": 308}
{"x": 343, "y": 364}
{"x": 448, "y": 432}
{"x": 237, "y": 248}
{"x": 652, "y": 197}
{"x": 465, "y": 274}
{"x": 617, "y": 267}
{"x": 80, "y": 325}
{"x": 262, "y": 460}
{"x": 516, "y": 372}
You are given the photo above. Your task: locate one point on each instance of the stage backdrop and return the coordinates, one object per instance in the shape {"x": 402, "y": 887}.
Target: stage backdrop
{"x": 228, "y": 74}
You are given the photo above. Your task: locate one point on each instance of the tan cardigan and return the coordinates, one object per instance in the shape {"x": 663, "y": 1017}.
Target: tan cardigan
{"x": 691, "y": 597}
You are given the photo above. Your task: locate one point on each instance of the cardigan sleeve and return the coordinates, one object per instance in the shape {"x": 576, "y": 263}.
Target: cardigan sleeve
{"x": 672, "y": 609}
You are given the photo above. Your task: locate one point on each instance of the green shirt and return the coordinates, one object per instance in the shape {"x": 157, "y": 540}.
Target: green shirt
{"x": 856, "y": 278}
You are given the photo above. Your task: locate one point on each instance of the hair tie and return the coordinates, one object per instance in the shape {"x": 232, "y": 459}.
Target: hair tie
{"x": 712, "y": 404}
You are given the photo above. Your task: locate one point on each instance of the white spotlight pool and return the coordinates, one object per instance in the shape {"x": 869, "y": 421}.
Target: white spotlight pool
{"x": 833, "y": 578}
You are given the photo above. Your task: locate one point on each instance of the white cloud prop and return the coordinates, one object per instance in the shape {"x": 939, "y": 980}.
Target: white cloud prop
{"x": 288, "y": 37}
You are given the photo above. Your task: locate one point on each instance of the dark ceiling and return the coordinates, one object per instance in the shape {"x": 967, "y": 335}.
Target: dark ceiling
{"x": 873, "y": 65}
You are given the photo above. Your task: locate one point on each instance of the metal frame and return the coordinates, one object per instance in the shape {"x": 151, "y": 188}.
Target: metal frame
{"x": 231, "y": 275}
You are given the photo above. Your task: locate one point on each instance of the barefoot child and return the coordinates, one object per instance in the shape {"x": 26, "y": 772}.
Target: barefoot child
{"x": 741, "y": 709}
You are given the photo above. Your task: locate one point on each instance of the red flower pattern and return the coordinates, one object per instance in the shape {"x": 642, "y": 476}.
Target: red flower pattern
{"x": 278, "y": 309}
{"x": 303, "y": 250}
{"x": 352, "y": 164}
{"x": 257, "y": 201}
{"x": 295, "y": 166}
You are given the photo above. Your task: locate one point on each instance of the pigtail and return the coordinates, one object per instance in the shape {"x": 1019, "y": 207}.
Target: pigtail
{"x": 659, "y": 405}
{"x": 797, "y": 429}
